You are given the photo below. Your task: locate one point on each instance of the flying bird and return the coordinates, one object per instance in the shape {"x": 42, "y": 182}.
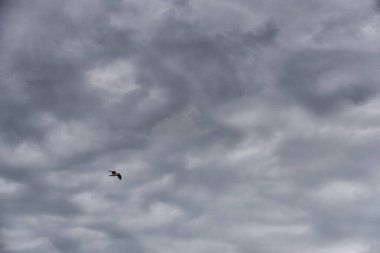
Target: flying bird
{"x": 114, "y": 173}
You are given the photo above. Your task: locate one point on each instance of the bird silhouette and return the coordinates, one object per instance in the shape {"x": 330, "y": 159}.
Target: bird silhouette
{"x": 114, "y": 173}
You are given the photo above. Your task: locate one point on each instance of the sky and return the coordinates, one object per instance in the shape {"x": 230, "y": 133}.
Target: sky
{"x": 238, "y": 126}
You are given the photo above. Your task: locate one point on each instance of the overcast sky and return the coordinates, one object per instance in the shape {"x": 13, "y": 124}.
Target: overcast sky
{"x": 238, "y": 126}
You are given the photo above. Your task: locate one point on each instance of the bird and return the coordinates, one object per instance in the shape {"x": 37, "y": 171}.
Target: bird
{"x": 114, "y": 173}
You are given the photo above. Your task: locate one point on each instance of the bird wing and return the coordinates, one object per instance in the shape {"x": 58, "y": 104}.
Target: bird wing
{"x": 119, "y": 176}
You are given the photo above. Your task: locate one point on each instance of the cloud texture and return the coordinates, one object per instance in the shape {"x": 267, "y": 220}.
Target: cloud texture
{"x": 244, "y": 126}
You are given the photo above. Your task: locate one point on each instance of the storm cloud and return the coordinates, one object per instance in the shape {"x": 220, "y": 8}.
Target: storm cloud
{"x": 245, "y": 126}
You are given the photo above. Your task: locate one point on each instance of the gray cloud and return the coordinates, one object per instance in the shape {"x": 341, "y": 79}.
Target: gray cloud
{"x": 238, "y": 127}
{"x": 377, "y": 5}
{"x": 324, "y": 81}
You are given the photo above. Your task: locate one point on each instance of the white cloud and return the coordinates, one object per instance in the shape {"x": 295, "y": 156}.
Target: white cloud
{"x": 341, "y": 192}
{"x": 7, "y": 187}
{"x": 344, "y": 247}
{"x": 113, "y": 81}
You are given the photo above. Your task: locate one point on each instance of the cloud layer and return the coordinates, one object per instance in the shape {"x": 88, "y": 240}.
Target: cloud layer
{"x": 245, "y": 126}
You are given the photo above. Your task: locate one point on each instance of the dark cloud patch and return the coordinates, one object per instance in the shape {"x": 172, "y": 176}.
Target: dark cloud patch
{"x": 47, "y": 70}
{"x": 2, "y": 248}
{"x": 377, "y": 5}
{"x": 304, "y": 80}
{"x": 66, "y": 244}
{"x": 319, "y": 156}
{"x": 2, "y": 224}
{"x": 48, "y": 202}
{"x": 199, "y": 67}
{"x": 4, "y": 6}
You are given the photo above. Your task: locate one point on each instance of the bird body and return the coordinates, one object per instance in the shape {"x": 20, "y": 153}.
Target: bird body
{"x": 114, "y": 173}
